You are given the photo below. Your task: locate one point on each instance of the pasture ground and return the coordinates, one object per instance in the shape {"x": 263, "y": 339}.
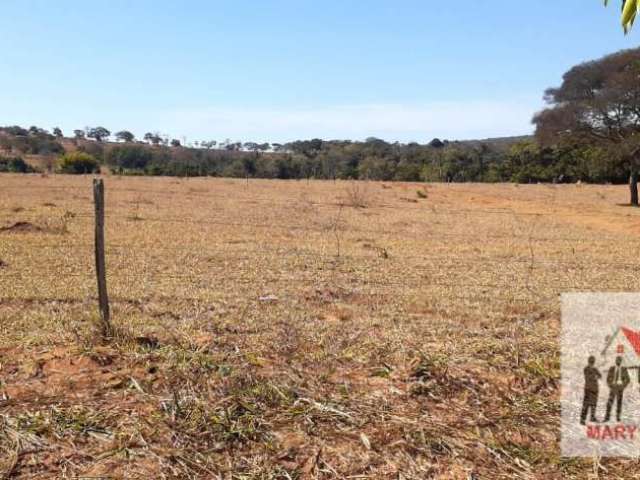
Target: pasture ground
{"x": 294, "y": 329}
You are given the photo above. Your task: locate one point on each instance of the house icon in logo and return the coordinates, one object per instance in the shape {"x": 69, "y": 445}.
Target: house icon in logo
{"x": 623, "y": 343}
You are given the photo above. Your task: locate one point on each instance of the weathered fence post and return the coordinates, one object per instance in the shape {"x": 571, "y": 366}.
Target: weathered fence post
{"x": 101, "y": 273}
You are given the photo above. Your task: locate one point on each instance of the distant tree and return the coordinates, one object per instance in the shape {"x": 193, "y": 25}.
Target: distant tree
{"x": 251, "y": 146}
{"x": 153, "y": 138}
{"x": 208, "y": 144}
{"x": 135, "y": 157}
{"x": 436, "y": 143}
{"x": 175, "y": 143}
{"x": 598, "y": 104}
{"x": 249, "y": 165}
{"x": 79, "y": 134}
{"x": 98, "y": 133}
{"x": 315, "y": 144}
{"x": 125, "y": 136}
{"x": 308, "y": 148}
{"x": 58, "y": 132}
{"x": 16, "y": 130}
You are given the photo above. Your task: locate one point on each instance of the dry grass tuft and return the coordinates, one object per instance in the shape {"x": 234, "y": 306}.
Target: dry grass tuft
{"x": 357, "y": 194}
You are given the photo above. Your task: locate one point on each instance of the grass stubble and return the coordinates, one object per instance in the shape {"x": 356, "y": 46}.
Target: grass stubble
{"x": 297, "y": 330}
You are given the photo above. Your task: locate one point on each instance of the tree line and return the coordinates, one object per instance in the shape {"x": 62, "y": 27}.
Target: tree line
{"x": 589, "y": 132}
{"x": 519, "y": 159}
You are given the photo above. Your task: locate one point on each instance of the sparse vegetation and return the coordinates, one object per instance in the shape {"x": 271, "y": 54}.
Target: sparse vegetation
{"x": 244, "y": 346}
{"x": 322, "y": 308}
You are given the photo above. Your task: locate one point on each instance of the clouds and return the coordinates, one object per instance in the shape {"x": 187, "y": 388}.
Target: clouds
{"x": 450, "y": 120}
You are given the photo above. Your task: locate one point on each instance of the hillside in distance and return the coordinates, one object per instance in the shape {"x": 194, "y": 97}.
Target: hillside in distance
{"x": 503, "y": 159}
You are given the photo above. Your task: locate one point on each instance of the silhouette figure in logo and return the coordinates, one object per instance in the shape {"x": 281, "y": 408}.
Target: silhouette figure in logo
{"x": 590, "y": 401}
{"x": 617, "y": 380}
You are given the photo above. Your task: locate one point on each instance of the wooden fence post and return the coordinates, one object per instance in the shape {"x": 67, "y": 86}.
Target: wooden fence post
{"x": 101, "y": 273}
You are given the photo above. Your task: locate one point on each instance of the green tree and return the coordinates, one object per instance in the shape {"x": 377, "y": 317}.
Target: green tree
{"x": 436, "y": 143}
{"x": 153, "y": 138}
{"x": 598, "y": 104}
{"x": 98, "y": 133}
{"x": 15, "y": 130}
{"x": 57, "y": 132}
{"x": 125, "y": 136}
{"x": 135, "y": 157}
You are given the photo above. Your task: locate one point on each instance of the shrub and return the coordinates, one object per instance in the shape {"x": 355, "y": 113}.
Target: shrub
{"x": 129, "y": 157}
{"x": 357, "y": 195}
{"x": 15, "y": 165}
{"x": 78, "y": 163}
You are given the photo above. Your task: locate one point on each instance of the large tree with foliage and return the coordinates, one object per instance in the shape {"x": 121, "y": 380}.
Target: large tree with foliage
{"x": 125, "y": 136}
{"x": 98, "y": 133}
{"x": 598, "y": 104}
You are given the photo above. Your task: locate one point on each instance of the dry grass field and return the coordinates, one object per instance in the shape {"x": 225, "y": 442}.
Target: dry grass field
{"x": 297, "y": 330}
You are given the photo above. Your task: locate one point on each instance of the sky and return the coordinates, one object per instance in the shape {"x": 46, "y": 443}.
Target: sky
{"x": 279, "y": 70}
